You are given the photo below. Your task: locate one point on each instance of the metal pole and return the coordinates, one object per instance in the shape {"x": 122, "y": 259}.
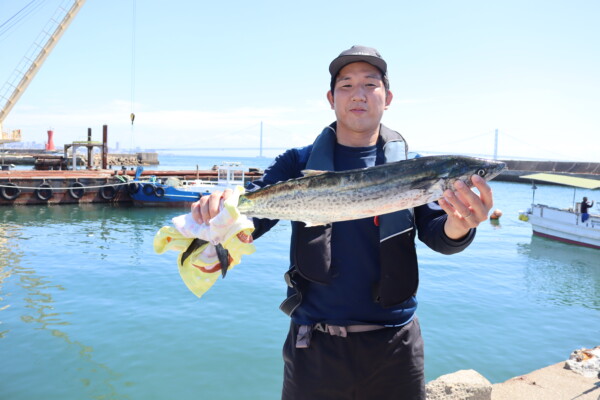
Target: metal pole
{"x": 261, "y": 139}
{"x": 496, "y": 145}
{"x": 104, "y": 146}
{"x": 74, "y": 151}
{"x": 89, "y": 148}
{"x": 33, "y": 65}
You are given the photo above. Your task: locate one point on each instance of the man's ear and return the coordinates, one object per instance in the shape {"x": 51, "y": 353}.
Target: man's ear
{"x": 388, "y": 99}
{"x": 330, "y": 98}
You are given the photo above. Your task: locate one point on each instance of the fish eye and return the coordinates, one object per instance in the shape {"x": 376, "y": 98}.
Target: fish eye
{"x": 481, "y": 172}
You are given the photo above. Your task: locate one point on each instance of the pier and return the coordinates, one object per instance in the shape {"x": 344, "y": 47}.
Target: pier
{"x": 30, "y": 187}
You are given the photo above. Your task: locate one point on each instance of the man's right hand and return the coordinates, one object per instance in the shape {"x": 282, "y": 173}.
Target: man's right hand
{"x": 209, "y": 206}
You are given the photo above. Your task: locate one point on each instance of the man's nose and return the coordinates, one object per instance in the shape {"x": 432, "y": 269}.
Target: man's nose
{"x": 359, "y": 94}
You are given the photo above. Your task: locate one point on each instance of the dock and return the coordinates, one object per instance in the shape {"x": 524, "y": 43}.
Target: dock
{"x": 31, "y": 187}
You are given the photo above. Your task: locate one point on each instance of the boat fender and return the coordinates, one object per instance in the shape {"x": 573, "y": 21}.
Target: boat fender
{"x": 523, "y": 216}
{"x": 133, "y": 187}
{"x": 148, "y": 189}
{"x": 108, "y": 192}
{"x": 10, "y": 191}
{"x": 159, "y": 192}
{"x": 44, "y": 192}
{"x": 76, "y": 190}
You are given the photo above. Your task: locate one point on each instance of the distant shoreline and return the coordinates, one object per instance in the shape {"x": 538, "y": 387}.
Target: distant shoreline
{"x": 515, "y": 168}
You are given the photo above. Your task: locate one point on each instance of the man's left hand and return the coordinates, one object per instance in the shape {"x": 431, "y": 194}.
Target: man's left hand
{"x": 465, "y": 208}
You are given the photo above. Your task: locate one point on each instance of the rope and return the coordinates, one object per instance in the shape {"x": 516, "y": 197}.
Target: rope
{"x": 68, "y": 187}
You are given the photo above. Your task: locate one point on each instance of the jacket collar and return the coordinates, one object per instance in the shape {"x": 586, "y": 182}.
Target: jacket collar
{"x": 321, "y": 156}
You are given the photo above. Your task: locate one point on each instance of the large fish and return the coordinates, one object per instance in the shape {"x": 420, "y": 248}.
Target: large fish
{"x": 320, "y": 197}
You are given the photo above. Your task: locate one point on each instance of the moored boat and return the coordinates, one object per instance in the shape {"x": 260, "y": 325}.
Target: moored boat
{"x": 564, "y": 224}
{"x": 61, "y": 187}
{"x": 175, "y": 192}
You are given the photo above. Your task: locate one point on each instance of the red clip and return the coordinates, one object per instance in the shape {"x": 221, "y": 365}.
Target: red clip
{"x": 376, "y": 220}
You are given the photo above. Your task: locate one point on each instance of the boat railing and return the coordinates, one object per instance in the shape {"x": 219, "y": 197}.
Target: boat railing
{"x": 568, "y": 209}
{"x": 196, "y": 182}
{"x": 231, "y": 173}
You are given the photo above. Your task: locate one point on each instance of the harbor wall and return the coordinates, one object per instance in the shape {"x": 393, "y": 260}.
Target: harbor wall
{"x": 128, "y": 159}
{"x": 517, "y": 168}
{"x": 114, "y": 159}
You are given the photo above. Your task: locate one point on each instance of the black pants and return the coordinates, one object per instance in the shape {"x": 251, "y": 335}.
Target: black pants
{"x": 381, "y": 364}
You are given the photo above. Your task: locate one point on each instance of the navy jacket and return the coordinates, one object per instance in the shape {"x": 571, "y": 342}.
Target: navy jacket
{"x": 310, "y": 253}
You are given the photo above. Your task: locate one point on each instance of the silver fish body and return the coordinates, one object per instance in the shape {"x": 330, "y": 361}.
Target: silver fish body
{"x": 323, "y": 197}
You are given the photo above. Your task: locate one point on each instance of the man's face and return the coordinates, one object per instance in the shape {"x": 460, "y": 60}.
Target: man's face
{"x": 359, "y": 98}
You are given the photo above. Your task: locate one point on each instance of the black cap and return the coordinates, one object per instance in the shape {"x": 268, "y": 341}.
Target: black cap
{"x": 357, "y": 54}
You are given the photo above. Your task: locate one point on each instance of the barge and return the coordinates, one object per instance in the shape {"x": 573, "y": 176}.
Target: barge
{"x": 29, "y": 187}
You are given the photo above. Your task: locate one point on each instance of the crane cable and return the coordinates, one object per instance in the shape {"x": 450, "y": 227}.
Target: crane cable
{"x": 132, "y": 116}
{"x": 19, "y": 16}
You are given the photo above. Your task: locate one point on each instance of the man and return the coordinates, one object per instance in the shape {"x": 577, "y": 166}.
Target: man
{"x": 584, "y": 209}
{"x": 352, "y": 284}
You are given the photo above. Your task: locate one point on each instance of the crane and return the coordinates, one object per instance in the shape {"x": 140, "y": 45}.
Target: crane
{"x": 31, "y": 63}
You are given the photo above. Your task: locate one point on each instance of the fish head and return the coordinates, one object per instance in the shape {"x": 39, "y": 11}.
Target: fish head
{"x": 462, "y": 168}
{"x": 489, "y": 169}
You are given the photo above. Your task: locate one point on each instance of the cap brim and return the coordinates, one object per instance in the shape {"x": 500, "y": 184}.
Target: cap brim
{"x": 340, "y": 62}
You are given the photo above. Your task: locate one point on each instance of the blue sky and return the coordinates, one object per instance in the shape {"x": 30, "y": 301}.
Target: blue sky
{"x": 206, "y": 75}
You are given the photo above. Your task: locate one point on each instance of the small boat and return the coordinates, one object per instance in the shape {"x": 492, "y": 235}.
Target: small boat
{"x": 563, "y": 224}
{"x": 175, "y": 192}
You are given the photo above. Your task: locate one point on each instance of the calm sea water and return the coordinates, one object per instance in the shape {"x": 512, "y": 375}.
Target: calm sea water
{"x": 88, "y": 311}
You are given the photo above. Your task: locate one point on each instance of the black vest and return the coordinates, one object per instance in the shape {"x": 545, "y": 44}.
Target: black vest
{"x": 311, "y": 247}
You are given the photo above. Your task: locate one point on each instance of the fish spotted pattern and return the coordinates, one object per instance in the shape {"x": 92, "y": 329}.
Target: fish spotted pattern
{"x": 321, "y": 198}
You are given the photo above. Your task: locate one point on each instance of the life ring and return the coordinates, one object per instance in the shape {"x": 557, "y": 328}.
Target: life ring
{"x": 108, "y": 192}
{"x": 159, "y": 192}
{"x": 133, "y": 187}
{"x": 10, "y": 191}
{"x": 44, "y": 192}
{"x": 76, "y": 190}
{"x": 148, "y": 189}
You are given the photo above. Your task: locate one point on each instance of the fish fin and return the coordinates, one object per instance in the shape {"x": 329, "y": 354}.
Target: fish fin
{"x": 223, "y": 255}
{"x": 312, "y": 172}
{"x": 194, "y": 245}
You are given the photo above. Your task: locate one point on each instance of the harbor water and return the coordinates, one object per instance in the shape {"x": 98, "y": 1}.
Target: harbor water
{"x": 89, "y": 311}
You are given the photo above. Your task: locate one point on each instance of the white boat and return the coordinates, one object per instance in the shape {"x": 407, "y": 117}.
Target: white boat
{"x": 563, "y": 224}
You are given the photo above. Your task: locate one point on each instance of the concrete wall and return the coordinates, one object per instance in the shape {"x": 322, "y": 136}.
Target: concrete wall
{"x": 148, "y": 158}
{"x": 517, "y": 168}
{"x": 570, "y": 167}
